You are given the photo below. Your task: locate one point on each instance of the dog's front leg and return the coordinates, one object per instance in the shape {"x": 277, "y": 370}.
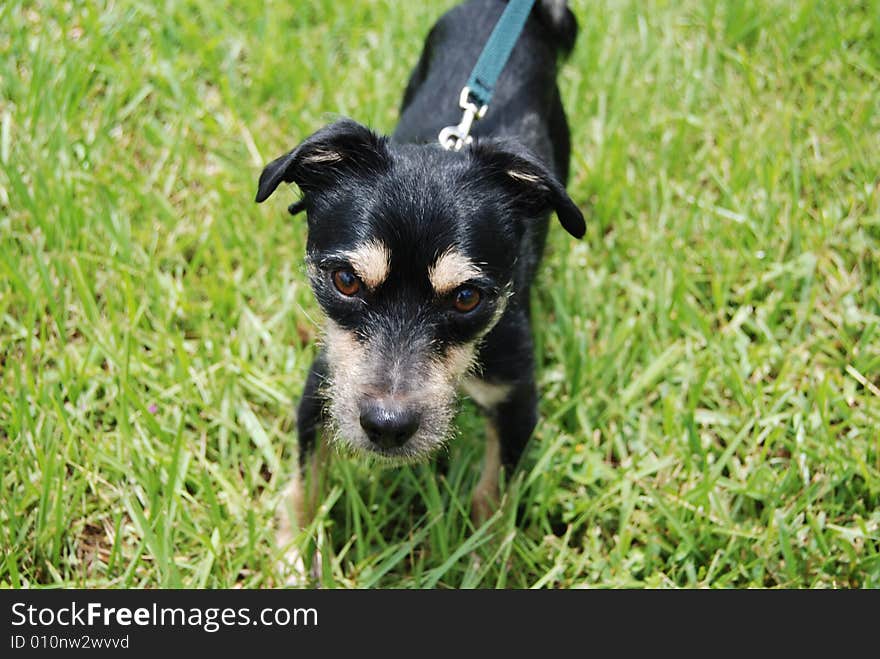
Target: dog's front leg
{"x": 507, "y": 395}
{"x": 511, "y": 421}
{"x": 302, "y": 495}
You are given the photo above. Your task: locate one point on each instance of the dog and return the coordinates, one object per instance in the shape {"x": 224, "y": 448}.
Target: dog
{"x": 422, "y": 258}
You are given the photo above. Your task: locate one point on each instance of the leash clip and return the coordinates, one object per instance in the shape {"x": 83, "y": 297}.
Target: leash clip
{"x": 455, "y": 137}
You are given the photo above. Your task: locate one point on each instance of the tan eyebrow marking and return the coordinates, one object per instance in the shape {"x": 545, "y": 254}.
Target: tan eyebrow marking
{"x": 371, "y": 261}
{"x": 451, "y": 270}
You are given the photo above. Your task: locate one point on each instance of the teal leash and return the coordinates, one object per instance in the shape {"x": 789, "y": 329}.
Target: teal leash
{"x": 476, "y": 94}
{"x": 497, "y": 50}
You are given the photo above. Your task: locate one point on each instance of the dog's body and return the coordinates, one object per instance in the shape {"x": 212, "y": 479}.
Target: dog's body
{"x": 423, "y": 258}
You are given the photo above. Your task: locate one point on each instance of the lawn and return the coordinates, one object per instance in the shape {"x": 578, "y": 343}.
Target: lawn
{"x": 709, "y": 354}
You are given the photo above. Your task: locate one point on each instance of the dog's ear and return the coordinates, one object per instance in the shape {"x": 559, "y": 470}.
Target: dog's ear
{"x": 533, "y": 186}
{"x": 344, "y": 148}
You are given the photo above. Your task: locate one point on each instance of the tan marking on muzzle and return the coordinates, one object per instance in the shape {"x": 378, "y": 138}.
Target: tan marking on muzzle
{"x": 459, "y": 360}
{"x": 444, "y": 375}
{"x": 357, "y": 369}
{"x": 343, "y": 349}
{"x": 372, "y": 262}
{"x": 450, "y": 271}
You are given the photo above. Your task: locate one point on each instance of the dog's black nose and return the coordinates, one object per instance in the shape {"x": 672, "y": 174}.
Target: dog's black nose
{"x": 389, "y": 424}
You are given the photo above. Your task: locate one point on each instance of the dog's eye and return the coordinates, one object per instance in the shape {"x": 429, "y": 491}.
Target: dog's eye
{"x": 466, "y": 299}
{"x": 346, "y": 282}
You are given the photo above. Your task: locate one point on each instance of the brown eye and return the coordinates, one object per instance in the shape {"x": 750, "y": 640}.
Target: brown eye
{"x": 466, "y": 299}
{"x": 346, "y": 282}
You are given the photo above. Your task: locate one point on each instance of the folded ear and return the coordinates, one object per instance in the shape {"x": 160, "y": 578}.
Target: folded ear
{"x": 344, "y": 148}
{"x": 533, "y": 185}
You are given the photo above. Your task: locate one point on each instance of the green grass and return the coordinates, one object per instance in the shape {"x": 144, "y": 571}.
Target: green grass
{"x": 709, "y": 354}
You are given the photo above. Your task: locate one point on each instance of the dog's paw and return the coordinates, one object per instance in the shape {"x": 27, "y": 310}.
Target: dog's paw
{"x": 297, "y": 567}
{"x": 291, "y": 569}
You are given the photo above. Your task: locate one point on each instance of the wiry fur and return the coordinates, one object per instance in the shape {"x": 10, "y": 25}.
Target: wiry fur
{"x": 353, "y": 367}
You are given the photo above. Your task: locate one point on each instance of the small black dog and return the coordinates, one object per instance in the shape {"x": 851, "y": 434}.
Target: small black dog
{"x": 422, "y": 258}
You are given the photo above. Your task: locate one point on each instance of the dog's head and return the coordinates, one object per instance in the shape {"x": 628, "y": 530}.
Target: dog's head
{"x": 412, "y": 256}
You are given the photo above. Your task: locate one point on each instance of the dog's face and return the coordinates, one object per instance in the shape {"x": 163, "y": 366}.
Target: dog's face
{"x": 411, "y": 255}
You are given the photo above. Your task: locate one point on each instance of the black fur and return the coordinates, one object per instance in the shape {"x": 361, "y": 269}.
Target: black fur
{"x": 491, "y": 201}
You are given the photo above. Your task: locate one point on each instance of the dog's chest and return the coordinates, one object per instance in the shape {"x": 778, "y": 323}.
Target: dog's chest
{"x": 486, "y": 394}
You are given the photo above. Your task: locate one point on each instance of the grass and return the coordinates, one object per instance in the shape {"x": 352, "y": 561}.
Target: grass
{"x": 709, "y": 354}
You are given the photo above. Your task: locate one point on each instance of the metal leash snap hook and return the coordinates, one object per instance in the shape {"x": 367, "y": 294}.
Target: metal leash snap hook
{"x": 455, "y": 137}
